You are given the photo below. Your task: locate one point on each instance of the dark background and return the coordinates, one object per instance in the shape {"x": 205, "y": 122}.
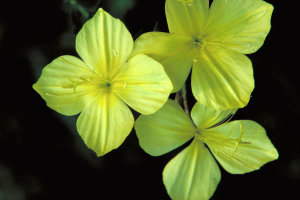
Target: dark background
{"x": 41, "y": 154}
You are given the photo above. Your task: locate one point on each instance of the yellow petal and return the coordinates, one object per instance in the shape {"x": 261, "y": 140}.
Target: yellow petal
{"x": 62, "y": 84}
{"x": 222, "y": 79}
{"x": 205, "y": 117}
{"x": 174, "y": 52}
{"x": 143, "y": 84}
{"x": 241, "y": 25}
{"x": 104, "y": 124}
{"x": 187, "y": 18}
{"x": 193, "y": 174}
{"x": 165, "y": 130}
{"x": 104, "y": 44}
{"x": 240, "y": 146}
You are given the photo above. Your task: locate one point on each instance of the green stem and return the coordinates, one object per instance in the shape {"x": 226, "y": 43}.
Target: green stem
{"x": 181, "y": 98}
{"x": 185, "y": 102}
{"x": 78, "y": 7}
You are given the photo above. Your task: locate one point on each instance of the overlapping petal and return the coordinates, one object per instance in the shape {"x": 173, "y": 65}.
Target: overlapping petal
{"x": 222, "y": 79}
{"x": 240, "y": 146}
{"x": 241, "y": 25}
{"x": 143, "y": 84}
{"x": 205, "y": 117}
{"x": 104, "y": 124}
{"x": 193, "y": 174}
{"x": 63, "y": 84}
{"x": 104, "y": 43}
{"x": 164, "y": 130}
{"x": 187, "y": 17}
{"x": 173, "y": 51}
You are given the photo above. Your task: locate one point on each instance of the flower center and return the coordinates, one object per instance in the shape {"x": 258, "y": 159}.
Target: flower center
{"x": 108, "y": 84}
{"x": 198, "y": 42}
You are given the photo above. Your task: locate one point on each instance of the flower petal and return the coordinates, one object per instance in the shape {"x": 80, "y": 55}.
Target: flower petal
{"x": 187, "y": 18}
{"x": 174, "y": 52}
{"x": 205, "y": 117}
{"x": 164, "y": 130}
{"x": 143, "y": 84}
{"x": 60, "y": 84}
{"x": 241, "y": 25}
{"x": 240, "y": 146}
{"x": 193, "y": 174}
{"x": 104, "y": 124}
{"x": 104, "y": 43}
{"x": 222, "y": 78}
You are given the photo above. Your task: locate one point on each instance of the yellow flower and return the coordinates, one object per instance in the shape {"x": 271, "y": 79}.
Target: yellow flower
{"x": 212, "y": 41}
{"x": 239, "y": 146}
{"x": 103, "y": 82}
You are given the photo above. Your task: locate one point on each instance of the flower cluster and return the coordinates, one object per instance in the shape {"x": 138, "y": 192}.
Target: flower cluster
{"x": 114, "y": 72}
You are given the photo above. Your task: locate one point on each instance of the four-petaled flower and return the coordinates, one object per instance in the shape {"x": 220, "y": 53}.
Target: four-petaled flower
{"x": 103, "y": 82}
{"x": 213, "y": 41}
{"x": 239, "y": 146}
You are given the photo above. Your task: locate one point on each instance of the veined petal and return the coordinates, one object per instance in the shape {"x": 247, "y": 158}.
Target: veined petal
{"x": 240, "y": 146}
{"x": 205, "y": 117}
{"x": 187, "y": 18}
{"x": 174, "y": 52}
{"x": 104, "y": 43}
{"x": 193, "y": 174}
{"x": 222, "y": 78}
{"x": 165, "y": 130}
{"x": 104, "y": 124}
{"x": 241, "y": 25}
{"x": 143, "y": 84}
{"x": 62, "y": 84}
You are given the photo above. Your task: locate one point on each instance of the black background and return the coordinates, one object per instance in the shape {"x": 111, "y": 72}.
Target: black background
{"x": 42, "y": 157}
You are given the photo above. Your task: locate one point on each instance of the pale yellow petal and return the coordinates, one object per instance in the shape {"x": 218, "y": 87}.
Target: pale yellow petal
{"x": 193, "y": 174}
{"x": 104, "y": 43}
{"x": 63, "y": 84}
{"x": 187, "y": 17}
{"x": 165, "y": 130}
{"x": 222, "y": 79}
{"x": 143, "y": 84}
{"x": 240, "y": 146}
{"x": 241, "y": 25}
{"x": 205, "y": 117}
{"x": 105, "y": 124}
{"x": 174, "y": 52}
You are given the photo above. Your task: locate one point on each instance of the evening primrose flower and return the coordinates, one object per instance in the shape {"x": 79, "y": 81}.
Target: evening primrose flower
{"x": 239, "y": 146}
{"x": 212, "y": 41}
{"x": 103, "y": 82}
